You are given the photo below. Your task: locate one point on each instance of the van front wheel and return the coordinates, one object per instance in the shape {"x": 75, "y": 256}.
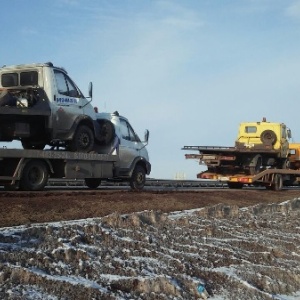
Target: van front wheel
{"x": 83, "y": 140}
{"x": 138, "y": 178}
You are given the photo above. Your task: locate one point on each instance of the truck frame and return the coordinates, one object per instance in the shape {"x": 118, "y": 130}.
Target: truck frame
{"x": 262, "y": 156}
{"x": 270, "y": 178}
{"x": 29, "y": 170}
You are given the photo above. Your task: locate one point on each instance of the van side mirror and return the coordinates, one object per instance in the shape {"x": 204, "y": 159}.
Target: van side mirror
{"x": 289, "y": 133}
{"x": 146, "y": 138}
{"x": 91, "y": 90}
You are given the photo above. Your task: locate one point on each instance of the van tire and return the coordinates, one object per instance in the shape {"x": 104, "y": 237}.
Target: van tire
{"x": 83, "y": 139}
{"x": 138, "y": 178}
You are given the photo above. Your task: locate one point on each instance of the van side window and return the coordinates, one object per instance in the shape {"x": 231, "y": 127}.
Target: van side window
{"x": 65, "y": 86}
{"x": 250, "y": 129}
{"x": 127, "y": 132}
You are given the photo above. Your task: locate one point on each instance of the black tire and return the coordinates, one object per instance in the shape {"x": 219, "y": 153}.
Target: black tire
{"x": 285, "y": 164}
{"x": 138, "y": 178}
{"x": 277, "y": 183}
{"x": 257, "y": 165}
{"x": 268, "y": 137}
{"x": 34, "y": 176}
{"x": 26, "y": 144}
{"x": 11, "y": 187}
{"x": 83, "y": 139}
{"x": 235, "y": 185}
{"x": 107, "y": 132}
{"x": 92, "y": 183}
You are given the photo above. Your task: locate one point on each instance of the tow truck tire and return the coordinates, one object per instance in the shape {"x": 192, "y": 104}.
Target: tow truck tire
{"x": 256, "y": 165}
{"x": 235, "y": 185}
{"x": 277, "y": 183}
{"x": 138, "y": 178}
{"x": 34, "y": 176}
{"x": 92, "y": 183}
{"x": 11, "y": 187}
{"x": 83, "y": 139}
{"x": 268, "y": 137}
{"x": 26, "y": 144}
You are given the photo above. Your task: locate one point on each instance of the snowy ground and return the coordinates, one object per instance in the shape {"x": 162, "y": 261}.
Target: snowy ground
{"x": 217, "y": 252}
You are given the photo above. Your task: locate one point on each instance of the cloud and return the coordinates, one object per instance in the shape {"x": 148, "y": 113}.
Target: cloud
{"x": 294, "y": 10}
{"x": 28, "y": 31}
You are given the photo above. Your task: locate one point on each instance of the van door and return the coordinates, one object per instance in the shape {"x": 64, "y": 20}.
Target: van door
{"x": 69, "y": 101}
{"x": 129, "y": 147}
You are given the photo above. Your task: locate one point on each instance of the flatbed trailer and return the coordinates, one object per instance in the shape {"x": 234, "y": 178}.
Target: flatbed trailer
{"x": 273, "y": 179}
{"x": 30, "y": 169}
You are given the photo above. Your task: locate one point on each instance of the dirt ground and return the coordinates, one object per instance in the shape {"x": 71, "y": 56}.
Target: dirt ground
{"x": 19, "y": 208}
{"x": 220, "y": 251}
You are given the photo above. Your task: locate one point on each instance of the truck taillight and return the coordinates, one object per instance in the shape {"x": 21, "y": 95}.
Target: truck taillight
{"x": 245, "y": 179}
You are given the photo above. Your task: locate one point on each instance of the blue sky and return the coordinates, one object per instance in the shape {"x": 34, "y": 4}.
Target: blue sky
{"x": 189, "y": 71}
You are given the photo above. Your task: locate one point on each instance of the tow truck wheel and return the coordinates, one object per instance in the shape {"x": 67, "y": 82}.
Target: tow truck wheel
{"x": 83, "y": 140}
{"x": 92, "y": 183}
{"x": 256, "y": 165}
{"x": 34, "y": 176}
{"x": 235, "y": 185}
{"x": 277, "y": 183}
{"x": 11, "y": 187}
{"x": 138, "y": 178}
{"x": 32, "y": 145}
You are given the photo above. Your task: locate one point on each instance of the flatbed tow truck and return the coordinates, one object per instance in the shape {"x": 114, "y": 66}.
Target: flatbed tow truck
{"x": 40, "y": 107}
{"x": 262, "y": 156}
{"x": 124, "y": 159}
{"x": 274, "y": 179}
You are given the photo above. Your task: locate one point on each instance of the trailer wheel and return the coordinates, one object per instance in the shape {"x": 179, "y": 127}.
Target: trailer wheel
{"x": 138, "y": 178}
{"x": 268, "y": 137}
{"x": 277, "y": 183}
{"x": 92, "y": 183}
{"x": 34, "y": 176}
{"x": 235, "y": 185}
{"x": 83, "y": 140}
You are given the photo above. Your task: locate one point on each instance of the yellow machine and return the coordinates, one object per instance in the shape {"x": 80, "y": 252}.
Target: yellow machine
{"x": 264, "y": 137}
{"x": 259, "y": 145}
{"x": 294, "y": 156}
